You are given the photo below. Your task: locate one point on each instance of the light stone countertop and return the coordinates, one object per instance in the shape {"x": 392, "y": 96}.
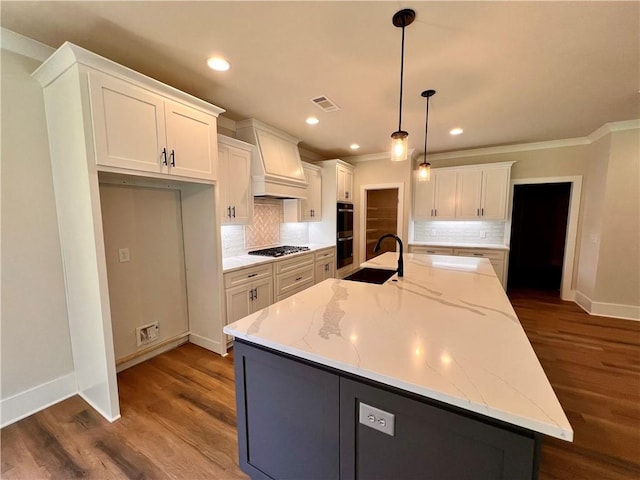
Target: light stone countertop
{"x": 446, "y": 331}
{"x": 229, "y": 264}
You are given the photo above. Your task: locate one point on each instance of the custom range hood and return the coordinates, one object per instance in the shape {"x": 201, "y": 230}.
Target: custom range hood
{"x": 276, "y": 168}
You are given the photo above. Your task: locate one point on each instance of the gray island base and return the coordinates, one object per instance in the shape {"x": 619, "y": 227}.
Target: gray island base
{"x": 300, "y": 420}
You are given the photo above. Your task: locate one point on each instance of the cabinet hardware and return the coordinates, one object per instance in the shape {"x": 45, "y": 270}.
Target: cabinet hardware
{"x": 478, "y": 255}
{"x": 251, "y": 275}
{"x": 482, "y": 212}
{"x": 326, "y": 267}
{"x": 251, "y": 294}
{"x": 435, "y": 212}
{"x": 229, "y": 212}
{"x": 432, "y": 212}
{"x": 477, "y": 212}
{"x": 173, "y": 158}
{"x": 234, "y": 211}
{"x": 346, "y": 194}
{"x": 298, "y": 279}
{"x": 164, "y": 156}
{"x": 255, "y": 293}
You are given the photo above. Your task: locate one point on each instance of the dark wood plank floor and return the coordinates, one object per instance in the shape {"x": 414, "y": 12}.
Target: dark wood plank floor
{"x": 178, "y": 410}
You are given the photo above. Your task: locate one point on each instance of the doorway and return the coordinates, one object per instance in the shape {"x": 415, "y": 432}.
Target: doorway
{"x": 538, "y": 234}
{"x": 381, "y": 217}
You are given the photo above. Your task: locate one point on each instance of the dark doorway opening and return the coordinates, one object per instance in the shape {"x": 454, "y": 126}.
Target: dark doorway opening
{"x": 538, "y": 234}
{"x": 382, "y": 217}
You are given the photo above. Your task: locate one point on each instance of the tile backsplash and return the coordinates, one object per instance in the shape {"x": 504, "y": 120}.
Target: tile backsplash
{"x": 267, "y": 230}
{"x": 476, "y": 232}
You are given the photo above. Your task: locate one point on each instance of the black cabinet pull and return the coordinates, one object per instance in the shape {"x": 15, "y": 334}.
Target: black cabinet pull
{"x": 255, "y": 295}
{"x": 298, "y": 279}
{"x": 229, "y": 212}
{"x": 251, "y": 294}
{"x": 164, "y": 156}
{"x": 251, "y": 275}
{"x": 234, "y": 211}
{"x": 477, "y": 212}
{"x": 482, "y": 212}
{"x": 173, "y": 158}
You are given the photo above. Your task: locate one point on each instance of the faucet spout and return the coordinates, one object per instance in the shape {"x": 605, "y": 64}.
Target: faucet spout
{"x": 376, "y": 249}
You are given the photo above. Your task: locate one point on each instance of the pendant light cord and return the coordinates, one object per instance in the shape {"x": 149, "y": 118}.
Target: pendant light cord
{"x": 401, "y": 77}
{"x": 426, "y": 131}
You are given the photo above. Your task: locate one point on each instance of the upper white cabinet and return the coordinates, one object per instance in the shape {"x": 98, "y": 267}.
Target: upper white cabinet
{"x": 307, "y": 209}
{"x": 137, "y": 129}
{"x": 482, "y": 193}
{"x": 234, "y": 174}
{"x": 344, "y": 174}
{"x": 435, "y": 199}
{"x": 477, "y": 192}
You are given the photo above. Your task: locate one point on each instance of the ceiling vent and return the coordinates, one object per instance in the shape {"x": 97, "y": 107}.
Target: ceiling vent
{"x": 325, "y": 104}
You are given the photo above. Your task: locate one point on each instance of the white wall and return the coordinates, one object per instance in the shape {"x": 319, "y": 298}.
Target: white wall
{"x": 36, "y": 347}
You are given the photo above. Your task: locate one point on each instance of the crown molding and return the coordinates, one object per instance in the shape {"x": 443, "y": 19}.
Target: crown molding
{"x": 608, "y": 128}
{"x": 25, "y": 46}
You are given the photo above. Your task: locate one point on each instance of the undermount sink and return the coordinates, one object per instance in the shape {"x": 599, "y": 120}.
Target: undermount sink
{"x": 371, "y": 275}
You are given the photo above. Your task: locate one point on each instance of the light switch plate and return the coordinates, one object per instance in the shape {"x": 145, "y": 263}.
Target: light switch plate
{"x": 377, "y": 419}
{"x": 123, "y": 255}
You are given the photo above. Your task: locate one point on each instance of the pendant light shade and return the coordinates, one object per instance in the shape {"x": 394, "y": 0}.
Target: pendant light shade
{"x": 424, "y": 169}
{"x": 400, "y": 138}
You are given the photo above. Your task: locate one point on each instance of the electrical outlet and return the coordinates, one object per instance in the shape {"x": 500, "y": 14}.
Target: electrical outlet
{"x": 147, "y": 333}
{"x": 483, "y": 234}
{"x": 377, "y": 419}
{"x": 433, "y": 233}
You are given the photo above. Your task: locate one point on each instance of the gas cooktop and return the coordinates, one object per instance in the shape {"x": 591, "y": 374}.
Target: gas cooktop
{"x": 279, "y": 251}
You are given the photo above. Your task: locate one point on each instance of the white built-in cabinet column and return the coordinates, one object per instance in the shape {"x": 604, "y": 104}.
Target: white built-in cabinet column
{"x": 105, "y": 119}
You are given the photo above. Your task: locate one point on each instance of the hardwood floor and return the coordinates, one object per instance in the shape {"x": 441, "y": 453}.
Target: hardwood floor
{"x": 178, "y": 410}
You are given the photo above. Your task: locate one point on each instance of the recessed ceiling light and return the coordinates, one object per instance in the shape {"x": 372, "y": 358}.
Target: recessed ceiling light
{"x": 218, "y": 64}
{"x": 312, "y": 121}
{"x": 354, "y": 146}
{"x": 456, "y": 131}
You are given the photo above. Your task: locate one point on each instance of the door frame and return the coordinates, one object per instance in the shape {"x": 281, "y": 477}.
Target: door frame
{"x": 362, "y": 244}
{"x": 571, "y": 236}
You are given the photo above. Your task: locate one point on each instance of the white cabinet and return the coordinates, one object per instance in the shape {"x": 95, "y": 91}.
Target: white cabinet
{"x": 325, "y": 264}
{"x": 344, "y": 174}
{"x": 234, "y": 167}
{"x": 293, "y": 275}
{"x": 477, "y": 192}
{"x": 435, "y": 199}
{"x": 137, "y": 129}
{"x": 482, "y": 193}
{"x": 308, "y": 209}
{"x": 247, "y": 290}
{"x": 496, "y": 257}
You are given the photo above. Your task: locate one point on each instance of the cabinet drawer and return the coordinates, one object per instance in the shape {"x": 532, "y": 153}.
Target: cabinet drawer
{"x": 249, "y": 274}
{"x": 430, "y": 250}
{"x": 325, "y": 254}
{"x": 294, "y": 281}
{"x": 299, "y": 261}
{"x": 491, "y": 254}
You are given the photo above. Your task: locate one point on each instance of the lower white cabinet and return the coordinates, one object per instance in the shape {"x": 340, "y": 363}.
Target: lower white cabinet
{"x": 430, "y": 250}
{"x": 293, "y": 275}
{"x": 496, "y": 257}
{"x": 325, "y": 261}
{"x": 247, "y": 290}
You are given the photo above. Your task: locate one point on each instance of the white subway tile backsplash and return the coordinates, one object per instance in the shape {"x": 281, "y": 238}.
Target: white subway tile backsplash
{"x": 476, "y": 232}
{"x": 294, "y": 234}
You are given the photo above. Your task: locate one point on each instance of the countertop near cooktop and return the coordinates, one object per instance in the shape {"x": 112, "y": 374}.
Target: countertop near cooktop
{"x": 229, "y": 264}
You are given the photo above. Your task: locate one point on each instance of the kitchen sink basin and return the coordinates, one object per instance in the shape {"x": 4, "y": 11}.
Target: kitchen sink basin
{"x": 371, "y": 275}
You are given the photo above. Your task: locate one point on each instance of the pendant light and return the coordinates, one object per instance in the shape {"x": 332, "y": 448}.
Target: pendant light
{"x": 424, "y": 169}
{"x": 399, "y": 139}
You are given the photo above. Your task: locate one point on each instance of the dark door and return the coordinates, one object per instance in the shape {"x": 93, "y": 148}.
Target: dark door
{"x": 538, "y": 233}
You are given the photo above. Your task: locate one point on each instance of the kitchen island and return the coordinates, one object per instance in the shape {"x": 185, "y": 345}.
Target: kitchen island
{"x": 426, "y": 376}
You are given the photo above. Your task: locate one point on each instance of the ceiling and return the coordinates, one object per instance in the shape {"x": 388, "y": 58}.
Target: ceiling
{"x": 506, "y": 72}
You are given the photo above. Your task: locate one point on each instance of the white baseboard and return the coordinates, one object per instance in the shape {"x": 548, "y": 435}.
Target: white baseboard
{"x": 203, "y": 342}
{"x": 37, "y": 398}
{"x": 601, "y": 309}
